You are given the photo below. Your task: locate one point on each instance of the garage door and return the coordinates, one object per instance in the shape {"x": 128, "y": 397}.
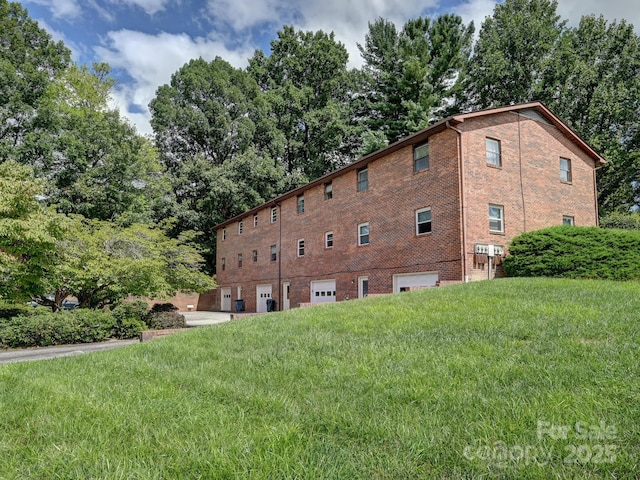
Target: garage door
{"x": 225, "y": 299}
{"x": 406, "y": 281}
{"x": 263, "y": 292}
{"x": 323, "y": 291}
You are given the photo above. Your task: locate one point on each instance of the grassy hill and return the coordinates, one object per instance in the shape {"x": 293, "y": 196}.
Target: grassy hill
{"x": 517, "y": 378}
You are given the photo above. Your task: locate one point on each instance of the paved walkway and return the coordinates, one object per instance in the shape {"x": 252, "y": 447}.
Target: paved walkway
{"x": 193, "y": 319}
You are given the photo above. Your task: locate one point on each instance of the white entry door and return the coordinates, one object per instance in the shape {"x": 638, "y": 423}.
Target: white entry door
{"x": 263, "y": 292}
{"x": 225, "y": 299}
{"x": 406, "y": 281}
{"x": 286, "y": 295}
{"x": 323, "y": 291}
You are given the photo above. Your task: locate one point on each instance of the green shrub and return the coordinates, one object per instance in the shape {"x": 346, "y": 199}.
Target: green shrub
{"x": 163, "y": 307}
{"x": 129, "y": 319}
{"x": 10, "y": 310}
{"x": 626, "y": 221}
{"x": 575, "y": 252}
{"x": 48, "y": 328}
{"x": 163, "y": 320}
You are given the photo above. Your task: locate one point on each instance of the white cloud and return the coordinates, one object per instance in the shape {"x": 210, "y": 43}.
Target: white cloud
{"x": 67, "y": 9}
{"x": 149, "y": 6}
{"x": 150, "y": 60}
{"x": 476, "y": 11}
{"x": 573, "y": 10}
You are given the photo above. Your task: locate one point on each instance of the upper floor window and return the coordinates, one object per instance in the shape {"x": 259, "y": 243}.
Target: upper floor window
{"x": 423, "y": 221}
{"x": 565, "y": 170}
{"x": 223, "y": 262}
{"x": 301, "y": 247}
{"x": 567, "y": 220}
{"x": 255, "y": 220}
{"x": 224, "y": 234}
{"x": 421, "y": 157}
{"x": 300, "y": 202}
{"x": 328, "y": 240}
{"x": 493, "y": 152}
{"x": 328, "y": 191}
{"x": 239, "y": 260}
{"x": 274, "y": 214}
{"x": 240, "y": 227}
{"x": 274, "y": 253}
{"x": 496, "y": 218}
{"x": 255, "y": 256}
{"x": 363, "y": 234}
{"x": 363, "y": 179}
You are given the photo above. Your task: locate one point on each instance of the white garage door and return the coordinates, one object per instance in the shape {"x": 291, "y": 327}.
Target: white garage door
{"x": 406, "y": 281}
{"x": 263, "y": 292}
{"x": 323, "y": 291}
{"x": 225, "y": 299}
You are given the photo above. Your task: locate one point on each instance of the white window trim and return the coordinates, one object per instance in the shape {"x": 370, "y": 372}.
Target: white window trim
{"x": 274, "y": 214}
{"x": 300, "y": 204}
{"x": 255, "y": 220}
{"x": 571, "y": 218}
{"x": 240, "y": 227}
{"x": 501, "y": 219}
{"x": 418, "y": 212}
{"x": 487, "y": 151}
{"x": 326, "y": 240}
{"x": 224, "y": 234}
{"x": 328, "y": 194}
{"x": 360, "y": 244}
{"x": 300, "y": 247}
{"x": 358, "y": 182}
{"x": 569, "y": 172}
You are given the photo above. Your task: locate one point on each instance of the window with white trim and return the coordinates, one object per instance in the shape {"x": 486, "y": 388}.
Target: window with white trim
{"x": 423, "y": 221}
{"x": 494, "y": 157}
{"x": 274, "y": 214}
{"x": 421, "y": 157}
{"x": 328, "y": 191}
{"x": 300, "y": 203}
{"x": 224, "y": 234}
{"x": 328, "y": 240}
{"x": 363, "y": 179}
{"x": 274, "y": 253}
{"x": 255, "y": 220}
{"x": 567, "y": 220}
{"x": 363, "y": 234}
{"x": 565, "y": 170}
{"x": 496, "y": 218}
{"x": 240, "y": 227}
{"x": 301, "y": 247}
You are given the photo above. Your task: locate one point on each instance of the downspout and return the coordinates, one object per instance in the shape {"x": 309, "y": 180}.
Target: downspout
{"x": 461, "y": 195}
{"x": 280, "y": 296}
{"x": 524, "y": 208}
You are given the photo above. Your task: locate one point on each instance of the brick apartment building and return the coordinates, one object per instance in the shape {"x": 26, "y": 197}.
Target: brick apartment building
{"x": 426, "y": 210}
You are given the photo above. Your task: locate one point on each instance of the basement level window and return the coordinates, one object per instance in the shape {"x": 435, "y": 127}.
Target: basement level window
{"x": 568, "y": 220}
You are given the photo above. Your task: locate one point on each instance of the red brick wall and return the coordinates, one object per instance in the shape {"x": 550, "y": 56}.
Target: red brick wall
{"x": 395, "y": 193}
{"x": 527, "y": 184}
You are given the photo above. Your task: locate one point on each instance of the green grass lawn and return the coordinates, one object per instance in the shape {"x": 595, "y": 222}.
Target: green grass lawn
{"x": 517, "y": 378}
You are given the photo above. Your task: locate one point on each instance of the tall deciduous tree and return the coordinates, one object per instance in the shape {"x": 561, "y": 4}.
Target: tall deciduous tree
{"x": 95, "y": 162}
{"x": 29, "y": 60}
{"x": 307, "y": 85}
{"x": 414, "y": 72}
{"x": 512, "y": 52}
{"x": 28, "y": 233}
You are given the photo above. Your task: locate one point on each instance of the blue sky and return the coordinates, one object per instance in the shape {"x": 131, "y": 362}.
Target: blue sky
{"x": 145, "y": 41}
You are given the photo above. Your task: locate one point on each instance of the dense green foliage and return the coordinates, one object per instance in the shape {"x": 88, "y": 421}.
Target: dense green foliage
{"x": 162, "y": 320}
{"x": 9, "y": 310}
{"x": 47, "y": 328}
{"x": 575, "y": 252}
{"x": 441, "y": 383}
{"x": 627, "y": 221}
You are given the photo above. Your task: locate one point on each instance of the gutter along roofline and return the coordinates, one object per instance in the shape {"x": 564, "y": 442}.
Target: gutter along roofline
{"x": 418, "y": 137}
